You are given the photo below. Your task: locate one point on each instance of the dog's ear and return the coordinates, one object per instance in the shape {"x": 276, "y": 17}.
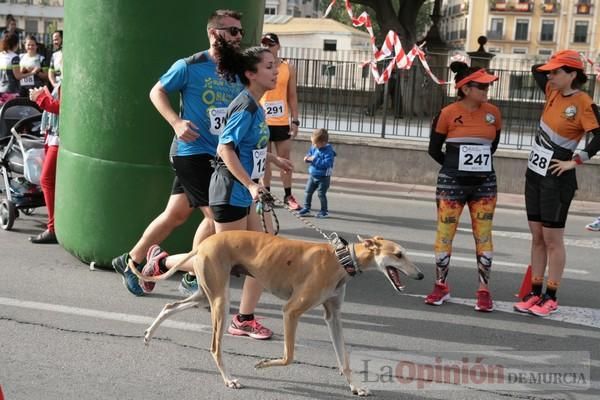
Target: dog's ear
{"x": 370, "y": 244}
{"x": 378, "y": 238}
{"x": 360, "y": 239}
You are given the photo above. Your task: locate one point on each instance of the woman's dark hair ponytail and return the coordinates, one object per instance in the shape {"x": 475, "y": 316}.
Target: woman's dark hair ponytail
{"x": 233, "y": 62}
{"x": 461, "y": 71}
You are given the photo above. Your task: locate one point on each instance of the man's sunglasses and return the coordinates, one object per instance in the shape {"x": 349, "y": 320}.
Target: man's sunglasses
{"x": 480, "y": 86}
{"x": 233, "y": 30}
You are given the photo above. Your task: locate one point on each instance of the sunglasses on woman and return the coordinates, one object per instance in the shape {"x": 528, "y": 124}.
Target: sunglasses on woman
{"x": 480, "y": 86}
{"x": 233, "y": 30}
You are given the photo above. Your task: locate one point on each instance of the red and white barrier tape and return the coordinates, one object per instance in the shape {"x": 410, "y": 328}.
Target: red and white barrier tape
{"x": 391, "y": 48}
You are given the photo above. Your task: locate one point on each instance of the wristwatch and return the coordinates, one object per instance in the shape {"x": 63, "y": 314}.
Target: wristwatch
{"x": 296, "y": 122}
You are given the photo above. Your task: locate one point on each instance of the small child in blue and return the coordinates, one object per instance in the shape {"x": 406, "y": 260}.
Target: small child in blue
{"x": 320, "y": 156}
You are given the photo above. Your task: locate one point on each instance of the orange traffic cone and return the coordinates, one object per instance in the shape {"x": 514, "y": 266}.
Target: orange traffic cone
{"x": 526, "y": 284}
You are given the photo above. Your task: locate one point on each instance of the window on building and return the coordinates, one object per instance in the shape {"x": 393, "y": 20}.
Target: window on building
{"x": 495, "y": 50}
{"x": 581, "y": 32}
{"x": 496, "y": 29}
{"x": 547, "y": 31}
{"x": 270, "y": 10}
{"x": 521, "y": 29}
{"x": 329, "y": 45}
{"x": 31, "y": 25}
{"x": 545, "y": 52}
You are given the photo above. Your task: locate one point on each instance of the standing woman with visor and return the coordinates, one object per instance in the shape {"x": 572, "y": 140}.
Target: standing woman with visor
{"x": 470, "y": 128}
{"x": 550, "y": 181}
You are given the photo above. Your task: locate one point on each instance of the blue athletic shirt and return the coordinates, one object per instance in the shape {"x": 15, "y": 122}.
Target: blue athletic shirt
{"x": 247, "y": 129}
{"x": 204, "y": 97}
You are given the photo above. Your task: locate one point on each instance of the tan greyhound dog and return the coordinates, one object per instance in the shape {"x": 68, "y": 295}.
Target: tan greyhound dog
{"x": 305, "y": 274}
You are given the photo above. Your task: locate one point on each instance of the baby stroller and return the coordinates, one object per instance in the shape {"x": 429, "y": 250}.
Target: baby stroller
{"x": 21, "y": 158}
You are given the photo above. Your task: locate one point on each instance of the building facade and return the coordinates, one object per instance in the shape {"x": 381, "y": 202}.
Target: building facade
{"x": 34, "y": 16}
{"x": 295, "y": 8}
{"x": 523, "y": 27}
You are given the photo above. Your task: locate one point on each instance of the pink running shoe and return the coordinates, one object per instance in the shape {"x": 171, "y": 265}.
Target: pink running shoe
{"x": 252, "y": 328}
{"x": 154, "y": 255}
{"x": 440, "y": 294}
{"x": 544, "y": 307}
{"x": 291, "y": 202}
{"x": 484, "y": 301}
{"x": 526, "y": 303}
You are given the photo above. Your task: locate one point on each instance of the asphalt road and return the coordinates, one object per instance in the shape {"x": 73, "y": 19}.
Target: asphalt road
{"x": 70, "y": 333}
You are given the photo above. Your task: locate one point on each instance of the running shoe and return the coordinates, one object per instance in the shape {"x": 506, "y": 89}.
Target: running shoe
{"x": 322, "y": 214}
{"x": 440, "y": 294}
{"x": 304, "y": 212}
{"x": 526, "y": 303}
{"x": 130, "y": 280}
{"x": 544, "y": 307}
{"x": 593, "y": 226}
{"x": 154, "y": 255}
{"x": 291, "y": 202}
{"x": 484, "y": 301}
{"x": 251, "y": 328}
{"x": 188, "y": 285}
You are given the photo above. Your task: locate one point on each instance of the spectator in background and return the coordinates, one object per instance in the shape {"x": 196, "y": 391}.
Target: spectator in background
{"x": 56, "y": 61}
{"x": 11, "y": 27}
{"x": 33, "y": 66}
{"x": 281, "y": 109}
{"x": 50, "y": 103}
{"x": 10, "y": 72}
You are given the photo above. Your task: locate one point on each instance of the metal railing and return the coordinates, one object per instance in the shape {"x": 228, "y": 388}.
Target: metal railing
{"x": 343, "y": 97}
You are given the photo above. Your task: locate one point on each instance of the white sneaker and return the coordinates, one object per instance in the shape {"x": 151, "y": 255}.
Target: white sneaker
{"x": 594, "y": 226}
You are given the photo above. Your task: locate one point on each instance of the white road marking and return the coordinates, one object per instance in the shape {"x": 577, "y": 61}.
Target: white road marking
{"x": 507, "y": 265}
{"x": 573, "y": 315}
{"x": 587, "y": 243}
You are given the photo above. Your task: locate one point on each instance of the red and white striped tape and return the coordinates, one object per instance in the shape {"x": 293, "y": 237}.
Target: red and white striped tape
{"x": 391, "y": 48}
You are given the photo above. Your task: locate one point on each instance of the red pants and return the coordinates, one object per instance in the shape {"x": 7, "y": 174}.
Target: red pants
{"x": 48, "y": 182}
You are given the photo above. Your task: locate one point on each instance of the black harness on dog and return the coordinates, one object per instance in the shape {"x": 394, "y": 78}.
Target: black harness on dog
{"x": 345, "y": 254}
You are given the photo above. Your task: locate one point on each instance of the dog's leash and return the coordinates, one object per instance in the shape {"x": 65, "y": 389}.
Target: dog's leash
{"x": 344, "y": 252}
{"x": 264, "y": 205}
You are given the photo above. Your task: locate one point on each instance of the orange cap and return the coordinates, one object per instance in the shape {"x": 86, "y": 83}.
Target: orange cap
{"x": 564, "y": 58}
{"x": 479, "y": 76}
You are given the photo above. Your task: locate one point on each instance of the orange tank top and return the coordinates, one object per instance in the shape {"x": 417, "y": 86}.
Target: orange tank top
{"x": 274, "y": 101}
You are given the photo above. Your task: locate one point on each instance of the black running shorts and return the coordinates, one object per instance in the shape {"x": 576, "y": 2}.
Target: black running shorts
{"x": 227, "y": 213}
{"x": 279, "y": 133}
{"x": 548, "y": 198}
{"x": 192, "y": 177}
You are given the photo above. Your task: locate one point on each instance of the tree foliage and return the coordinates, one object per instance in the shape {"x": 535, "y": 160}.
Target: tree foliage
{"x": 408, "y": 18}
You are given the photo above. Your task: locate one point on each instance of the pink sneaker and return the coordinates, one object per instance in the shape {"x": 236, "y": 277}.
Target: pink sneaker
{"x": 440, "y": 294}
{"x": 544, "y": 307}
{"x": 526, "y": 303}
{"x": 154, "y": 255}
{"x": 252, "y": 328}
{"x": 484, "y": 301}
{"x": 291, "y": 202}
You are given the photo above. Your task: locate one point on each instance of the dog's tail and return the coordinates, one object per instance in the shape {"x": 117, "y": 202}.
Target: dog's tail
{"x": 166, "y": 275}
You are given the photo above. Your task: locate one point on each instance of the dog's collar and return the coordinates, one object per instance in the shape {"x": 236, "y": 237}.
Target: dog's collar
{"x": 345, "y": 254}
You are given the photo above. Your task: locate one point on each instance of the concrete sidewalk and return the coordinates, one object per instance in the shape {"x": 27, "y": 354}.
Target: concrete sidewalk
{"x": 423, "y": 192}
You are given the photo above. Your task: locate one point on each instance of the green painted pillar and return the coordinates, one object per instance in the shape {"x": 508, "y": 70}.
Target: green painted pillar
{"x": 113, "y": 174}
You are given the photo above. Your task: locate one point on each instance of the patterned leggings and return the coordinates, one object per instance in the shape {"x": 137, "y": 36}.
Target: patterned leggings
{"x": 452, "y": 193}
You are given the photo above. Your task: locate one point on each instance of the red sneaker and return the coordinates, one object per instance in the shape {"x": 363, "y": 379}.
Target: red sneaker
{"x": 291, "y": 202}
{"x": 484, "y": 301}
{"x": 154, "y": 255}
{"x": 440, "y": 294}
{"x": 544, "y": 307}
{"x": 526, "y": 303}
{"x": 251, "y": 328}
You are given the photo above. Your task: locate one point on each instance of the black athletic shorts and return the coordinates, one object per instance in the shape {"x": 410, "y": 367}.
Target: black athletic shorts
{"x": 548, "y": 198}
{"x": 192, "y": 177}
{"x": 279, "y": 133}
{"x": 227, "y": 213}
